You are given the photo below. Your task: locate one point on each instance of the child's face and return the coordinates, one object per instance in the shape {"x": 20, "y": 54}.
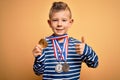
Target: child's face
{"x": 60, "y": 22}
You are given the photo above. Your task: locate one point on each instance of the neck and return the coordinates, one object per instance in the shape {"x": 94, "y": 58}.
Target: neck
{"x": 61, "y": 40}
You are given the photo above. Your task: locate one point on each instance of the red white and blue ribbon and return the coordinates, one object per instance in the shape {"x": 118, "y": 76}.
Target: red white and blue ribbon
{"x": 60, "y": 52}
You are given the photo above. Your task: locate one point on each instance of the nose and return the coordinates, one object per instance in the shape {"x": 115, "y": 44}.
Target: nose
{"x": 59, "y": 23}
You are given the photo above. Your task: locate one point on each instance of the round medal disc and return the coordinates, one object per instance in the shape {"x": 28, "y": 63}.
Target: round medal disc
{"x": 43, "y": 43}
{"x": 58, "y": 68}
{"x": 65, "y": 67}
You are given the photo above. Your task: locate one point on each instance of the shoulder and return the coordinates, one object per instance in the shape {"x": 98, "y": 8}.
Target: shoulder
{"x": 74, "y": 40}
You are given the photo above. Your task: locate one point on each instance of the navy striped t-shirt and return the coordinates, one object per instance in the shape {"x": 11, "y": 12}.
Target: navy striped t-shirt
{"x": 45, "y": 64}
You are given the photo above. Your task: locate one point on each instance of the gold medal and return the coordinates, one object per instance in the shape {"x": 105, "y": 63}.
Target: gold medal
{"x": 43, "y": 43}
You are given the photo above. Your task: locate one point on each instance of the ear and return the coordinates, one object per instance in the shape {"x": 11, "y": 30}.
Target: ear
{"x": 49, "y": 22}
{"x": 71, "y": 20}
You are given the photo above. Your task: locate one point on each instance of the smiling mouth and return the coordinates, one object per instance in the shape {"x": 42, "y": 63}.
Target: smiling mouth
{"x": 59, "y": 30}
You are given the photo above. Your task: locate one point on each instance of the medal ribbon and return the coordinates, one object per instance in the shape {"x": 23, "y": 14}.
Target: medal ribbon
{"x": 57, "y": 48}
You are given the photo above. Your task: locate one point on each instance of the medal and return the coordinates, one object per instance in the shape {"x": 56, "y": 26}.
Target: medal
{"x": 60, "y": 52}
{"x": 65, "y": 67}
{"x": 43, "y": 43}
{"x": 58, "y": 68}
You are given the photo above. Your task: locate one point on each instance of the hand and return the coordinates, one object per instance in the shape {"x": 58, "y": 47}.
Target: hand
{"x": 80, "y": 46}
{"x": 37, "y": 50}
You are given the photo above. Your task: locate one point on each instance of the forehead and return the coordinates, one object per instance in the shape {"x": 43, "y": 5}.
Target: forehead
{"x": 61, "y": 14}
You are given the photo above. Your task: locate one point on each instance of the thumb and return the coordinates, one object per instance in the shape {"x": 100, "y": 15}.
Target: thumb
{"x": 82, "y": 39}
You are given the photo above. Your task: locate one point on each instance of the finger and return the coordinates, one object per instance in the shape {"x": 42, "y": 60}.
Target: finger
{"x": 78, "y": 47}
{"x": 39, "y": 47}
{"x": 82, "y": 39}
{"x": 79, "y": 51}
{"x": 37, "y": 51}
{"x": 77, "y": 44}
{"x": 36, "y": 54}
{"x": 36, "y": 48}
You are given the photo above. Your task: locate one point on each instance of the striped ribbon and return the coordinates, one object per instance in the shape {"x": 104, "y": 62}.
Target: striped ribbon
{"x": 62, "y": 50}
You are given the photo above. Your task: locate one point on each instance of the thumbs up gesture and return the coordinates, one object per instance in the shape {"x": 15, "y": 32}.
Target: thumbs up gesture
{"x": 80, "y": 46}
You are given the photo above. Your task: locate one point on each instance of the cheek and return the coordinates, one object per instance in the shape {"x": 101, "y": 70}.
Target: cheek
{"x": 70, "y": 25}
{"x": 67, "y": 25}
{"x": 51, "y": 25}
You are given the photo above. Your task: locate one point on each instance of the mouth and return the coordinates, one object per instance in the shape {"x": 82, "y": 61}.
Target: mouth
{"x": 59, "y": 29}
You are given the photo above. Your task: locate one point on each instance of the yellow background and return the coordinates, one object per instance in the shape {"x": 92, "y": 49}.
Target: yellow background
{"x": 24, "y": 22}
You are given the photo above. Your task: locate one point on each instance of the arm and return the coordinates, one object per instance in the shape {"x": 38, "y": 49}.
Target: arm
{"x": 38, "y": 65}
{"x": 90, "y": 57}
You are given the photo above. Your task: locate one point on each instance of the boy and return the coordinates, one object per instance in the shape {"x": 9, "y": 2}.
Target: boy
{"x": 60, "y": 57}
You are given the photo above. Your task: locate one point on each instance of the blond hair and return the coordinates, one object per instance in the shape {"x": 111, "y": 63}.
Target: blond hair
{"x": 59, "y": 6}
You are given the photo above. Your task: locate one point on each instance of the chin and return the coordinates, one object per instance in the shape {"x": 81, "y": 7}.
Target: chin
{"x": 59, "y": 34}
